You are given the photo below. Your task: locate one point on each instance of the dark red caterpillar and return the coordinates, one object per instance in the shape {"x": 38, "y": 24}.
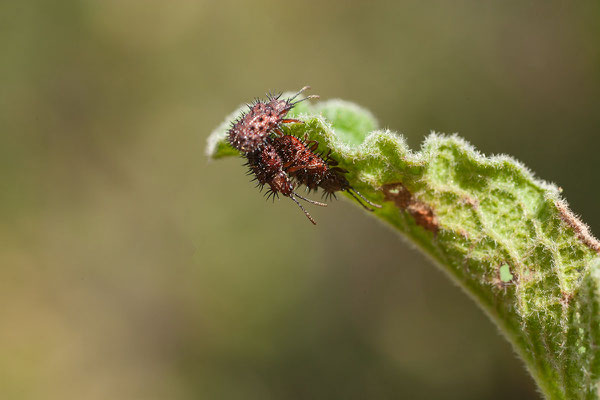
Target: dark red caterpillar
{"x": 267, "y": 166}
{"x": 281, "y": 161}
{"x": 302, "y": 162}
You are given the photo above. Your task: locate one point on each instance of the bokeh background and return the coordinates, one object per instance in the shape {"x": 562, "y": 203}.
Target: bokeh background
{"x": 133, "y": 268}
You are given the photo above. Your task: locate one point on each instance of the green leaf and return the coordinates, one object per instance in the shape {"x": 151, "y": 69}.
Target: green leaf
{"x": 507, "y": 238}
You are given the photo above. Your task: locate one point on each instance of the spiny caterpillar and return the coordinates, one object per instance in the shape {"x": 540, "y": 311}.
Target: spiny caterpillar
{"x": 282, "y": 161}
{"x": 309, "y": 168}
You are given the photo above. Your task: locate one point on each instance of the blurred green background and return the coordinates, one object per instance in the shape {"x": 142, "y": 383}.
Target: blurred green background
{"x": 133, "y": 268}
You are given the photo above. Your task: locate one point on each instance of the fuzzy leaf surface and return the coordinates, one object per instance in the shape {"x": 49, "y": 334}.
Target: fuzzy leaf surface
{"x": 507, "y": 238}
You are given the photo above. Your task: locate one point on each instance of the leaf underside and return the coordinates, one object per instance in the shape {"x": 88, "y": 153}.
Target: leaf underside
{"x": 507, "y": 238}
